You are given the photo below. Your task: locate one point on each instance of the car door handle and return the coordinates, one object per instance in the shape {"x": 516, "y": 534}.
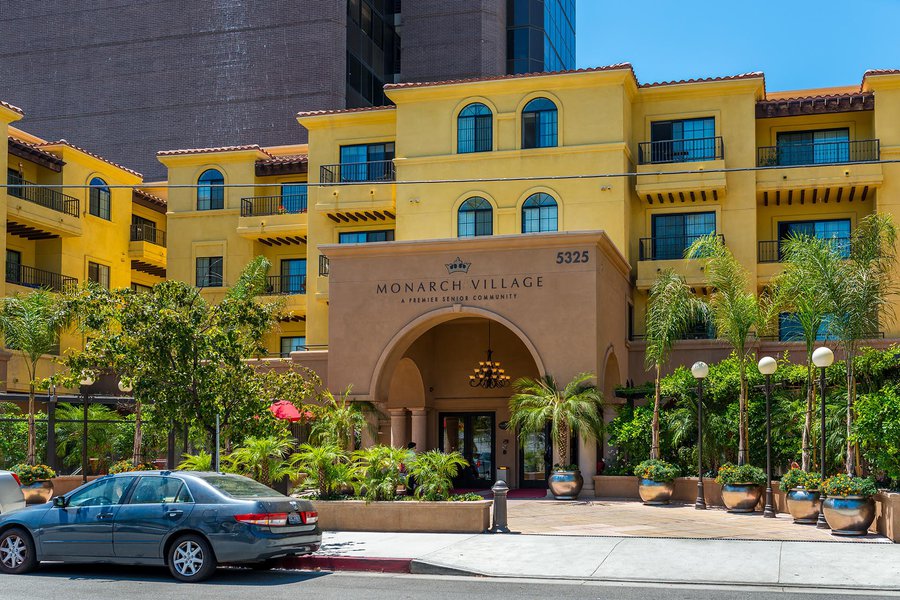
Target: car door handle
{"x": 104, "y": 516}
{"x": 175, "y": 513}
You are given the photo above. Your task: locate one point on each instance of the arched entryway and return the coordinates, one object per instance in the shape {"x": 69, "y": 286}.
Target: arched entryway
{"x": 424, "y": 386}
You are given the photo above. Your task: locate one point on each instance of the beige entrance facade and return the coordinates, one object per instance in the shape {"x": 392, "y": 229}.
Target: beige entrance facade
{"x": 409, "y": 321}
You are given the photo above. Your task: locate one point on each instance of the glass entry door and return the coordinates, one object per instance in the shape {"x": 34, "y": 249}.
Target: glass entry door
{"x": 472, "y": 435}
{"x": 535, "y": 457}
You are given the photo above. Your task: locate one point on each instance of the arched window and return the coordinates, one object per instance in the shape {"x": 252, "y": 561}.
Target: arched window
{"x": 539, "y": 124}
{"x": 476, "y": 217}
{"x": 99, "y": 199}
{"x": 475, "y": 129}
{"x": 539, "y": 213}
{"x": 210, "y": 190}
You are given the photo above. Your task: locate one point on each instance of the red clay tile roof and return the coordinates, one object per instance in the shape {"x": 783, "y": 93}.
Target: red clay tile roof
{"x": 29, "y": 147}
{"x": 881, "y": 72}
{"x": 617, "y": 67}
{"x": 11, "y": 107}
{"x": 809, "y": 94}
{"x": 210, "y": 150}
{"x": 89, "y": 153}
{"x": 149, "y": 197}
{"x": 338, "y": 111}
{"x": 284, "y": 159}
{"x": 753, "y": 75}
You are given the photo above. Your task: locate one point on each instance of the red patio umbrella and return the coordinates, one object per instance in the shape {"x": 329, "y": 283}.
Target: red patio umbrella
{"x": 283, "y": 409}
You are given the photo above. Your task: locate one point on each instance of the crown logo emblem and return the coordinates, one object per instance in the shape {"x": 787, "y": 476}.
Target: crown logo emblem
{"x": 458, "y": 266}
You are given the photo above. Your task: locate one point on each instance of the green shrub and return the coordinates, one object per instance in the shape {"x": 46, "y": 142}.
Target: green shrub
{"x": 730, "y": 474}
{"x": 127, "y": 466}
{"x": 381, "y": 472}
{"x": 434, "y": 472}
{"x": 201, "y": 461}
{"x": 28, "y": 474}
{"x": 877, "y": 430}
{"x": 656, "y": 470}
{"x": 845, "y": 485}
{"x": 328, "y": 468}
{"x": 798, "y": 478}
{"x": 467, "y": 497}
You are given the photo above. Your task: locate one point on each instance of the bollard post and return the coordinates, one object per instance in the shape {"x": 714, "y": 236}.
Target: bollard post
{"x": 500, "y": 490}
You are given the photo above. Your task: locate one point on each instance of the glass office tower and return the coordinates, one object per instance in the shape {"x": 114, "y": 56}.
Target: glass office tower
{"x": 540, "y": 35}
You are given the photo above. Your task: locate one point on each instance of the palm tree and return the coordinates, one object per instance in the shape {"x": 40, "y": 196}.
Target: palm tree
{"x": 735, "y": 313}
{"x": 340, "y": 420}
{"x": 576, "y": 408}
{"x": 202, "y": 461}
{"x": 31, "y": 325}
{"x": 434, "y": 472}
{"x": 101, "y": 432}
{"x": 265, "y": 459}
{"x": 381, "y": 470}
{"x": 671, "y": 310}
{"x": 854, "y": 287}
{"x": 326, "y": 467}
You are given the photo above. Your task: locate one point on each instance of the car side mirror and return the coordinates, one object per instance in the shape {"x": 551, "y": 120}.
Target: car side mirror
{"x": 59, "y": 502}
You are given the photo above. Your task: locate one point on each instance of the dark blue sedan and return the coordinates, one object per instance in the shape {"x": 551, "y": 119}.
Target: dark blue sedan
{"x": 187, "y": 521}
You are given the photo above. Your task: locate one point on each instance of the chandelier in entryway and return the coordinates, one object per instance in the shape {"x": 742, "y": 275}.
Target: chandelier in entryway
{"x": 489, "y": 374}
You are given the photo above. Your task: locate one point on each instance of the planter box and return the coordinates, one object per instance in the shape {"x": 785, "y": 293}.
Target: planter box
{"x": 404, "y": 516}
{"x": 66, "y": 483}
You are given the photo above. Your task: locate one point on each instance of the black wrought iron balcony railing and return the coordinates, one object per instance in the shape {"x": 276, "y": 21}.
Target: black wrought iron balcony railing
{"x": 38, "y": 278}
{"x": 772, "y": 251}
{"x": 668, "y": 248}
{"x": 819, "y": 153}
{"x": 679, "y": 151}
{"x": 377, "y": 170}
{"x": 261, "y": 206}
{"x": 285, "y": 285}
{"x": 323, "y": 266}
{"x": 43, "y": 196}
{"x": 149, "y": 234}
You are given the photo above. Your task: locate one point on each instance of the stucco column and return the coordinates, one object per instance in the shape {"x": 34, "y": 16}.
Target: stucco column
{"x": 399, "y": 434}
{"x": 587, "y": 462}
{"x": 420, "y": 428}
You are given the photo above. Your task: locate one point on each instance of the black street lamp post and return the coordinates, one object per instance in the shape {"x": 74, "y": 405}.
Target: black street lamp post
{"x": 822, "y": 358}
{"x": 700, "y": 370}
{"x": 768, "y": 366}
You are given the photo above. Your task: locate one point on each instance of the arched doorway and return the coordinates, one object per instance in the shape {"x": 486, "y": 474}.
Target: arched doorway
{"x": 425, "y": 384}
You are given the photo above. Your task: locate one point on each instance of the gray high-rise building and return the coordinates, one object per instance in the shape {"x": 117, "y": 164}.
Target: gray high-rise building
{"x": 128, "y": 78}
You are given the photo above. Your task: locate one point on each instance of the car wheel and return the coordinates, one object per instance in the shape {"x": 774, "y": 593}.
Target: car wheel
{"x": 17, "y": 552}
{"x": 191, "y": 559}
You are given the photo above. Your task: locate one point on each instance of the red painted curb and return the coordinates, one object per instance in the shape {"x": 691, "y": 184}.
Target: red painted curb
{"x": 348, "y": 563}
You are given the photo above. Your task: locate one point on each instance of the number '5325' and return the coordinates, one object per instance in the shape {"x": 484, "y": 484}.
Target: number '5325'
{"x": 575, "y": 256}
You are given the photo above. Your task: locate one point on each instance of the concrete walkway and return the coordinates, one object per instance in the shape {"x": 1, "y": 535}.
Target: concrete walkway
{"x": 634, "y": 559}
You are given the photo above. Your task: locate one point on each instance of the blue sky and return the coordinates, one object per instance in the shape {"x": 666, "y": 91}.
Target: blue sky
{"x": 797, "y": 44}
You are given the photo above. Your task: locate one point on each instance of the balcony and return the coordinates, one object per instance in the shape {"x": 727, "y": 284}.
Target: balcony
{"x": 274, "y": 220}
{"x": 818, "y": 171}
{"x": 358, "y": 192}
{"x": 147, "y": 250}
{"x": 30, "y": 277}
{"x": 662, "y": 165}
{"x": 36, "y": 212}
{"x": 658, "y": 253}
{"x": 292, "y": 291}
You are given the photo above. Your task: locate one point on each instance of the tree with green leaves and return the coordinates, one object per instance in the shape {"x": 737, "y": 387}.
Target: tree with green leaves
{"x": 736, "y": 313}
{"x": 854, "y": 285}
{"x": 341, "y": 421}
{"x": 576, "y": 408}
{"x": 31, "y": 325}
{"x": 265, "y": 459}
{"x": 671, "y": 311}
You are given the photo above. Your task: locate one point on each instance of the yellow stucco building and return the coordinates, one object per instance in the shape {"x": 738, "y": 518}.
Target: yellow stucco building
{"x": 68, "y": 222}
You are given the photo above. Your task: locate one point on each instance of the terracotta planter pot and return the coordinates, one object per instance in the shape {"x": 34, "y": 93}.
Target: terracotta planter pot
{"x": 655, "y": 493}
{"x": 38, "y": 492}
{"x": 565, "y": 485}
{"x": 803, "y": 505}
{"x": 849, "y": 515}
{"x": 741, "y": 497}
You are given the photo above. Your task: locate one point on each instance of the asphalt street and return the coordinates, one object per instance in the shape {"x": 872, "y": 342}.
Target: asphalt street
{"x": 107, "y": 583}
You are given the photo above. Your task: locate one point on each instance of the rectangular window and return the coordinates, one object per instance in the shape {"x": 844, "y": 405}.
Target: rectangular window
{"x": 99, "y": 274}
{"x": 293, "y": 276}
{"x": 209, "y": 271}
{"x": 292, "y": 344}
{"x": 789, "y": 329}
{"x": 835, "y": 230}
{"x": 364, "y": 237}
{"x": 293, "y": 197}
{"x": 673, "y": 234}
{"x": 367, "y": 162}
{"x": 683, "y": 140}
{"x": 100, "y": 202}
{"x": 814, "y": 147}
{"x": 13, "y": 266}
{"x": 13, "y": 180}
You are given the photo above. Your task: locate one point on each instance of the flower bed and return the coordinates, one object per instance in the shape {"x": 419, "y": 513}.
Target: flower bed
{"x": 404, "y": 516}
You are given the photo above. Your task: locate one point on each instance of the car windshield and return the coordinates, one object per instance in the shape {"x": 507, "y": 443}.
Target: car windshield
{"x": 240, "y": 487}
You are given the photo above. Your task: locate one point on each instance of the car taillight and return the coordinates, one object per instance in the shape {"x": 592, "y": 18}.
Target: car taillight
{"x": 270, "y": 519}
{"x": 16, "y": 477}
{"x": 309, "y": 517}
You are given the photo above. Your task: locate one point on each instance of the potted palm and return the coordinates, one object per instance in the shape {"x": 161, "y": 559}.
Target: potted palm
{"x": 656, "y": 481}
{"x": 742, "y": 486}
{"x": 35, "y": 481}
{"x": 848, "y": 505}
{"x": 802, "y": 492}
{"x": 576, "y": 408}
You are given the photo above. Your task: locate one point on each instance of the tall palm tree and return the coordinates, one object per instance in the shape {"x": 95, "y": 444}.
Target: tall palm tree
{"x": 31, "y": 325}
{"x": 339, "y": 420}
{"x": 795, "y": 292}
{"x": 855, "y": 287}
{"x": 736, "y": 313}
{"x": 575, "y": 408}
{"x": 671, "y": 310}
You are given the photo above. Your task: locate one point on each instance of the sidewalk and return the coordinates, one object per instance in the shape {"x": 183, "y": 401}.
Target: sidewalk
{"x": 632, "y": 559}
